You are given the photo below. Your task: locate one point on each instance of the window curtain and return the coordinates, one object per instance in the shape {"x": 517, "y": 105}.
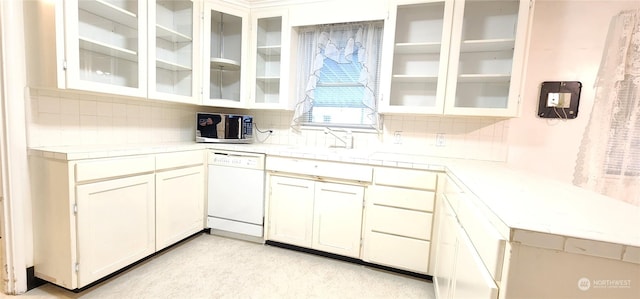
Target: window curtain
{"x": 337, "y": 42}
{"x": 609, "y": 156}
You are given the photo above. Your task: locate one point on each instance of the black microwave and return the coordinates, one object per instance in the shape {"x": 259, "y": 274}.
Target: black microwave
{"x": 224, "y": 128}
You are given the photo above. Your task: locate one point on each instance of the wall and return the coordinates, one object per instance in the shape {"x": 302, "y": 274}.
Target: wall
{"x": 567, "y": 39}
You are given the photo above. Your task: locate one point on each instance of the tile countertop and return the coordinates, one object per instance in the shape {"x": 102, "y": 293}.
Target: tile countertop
{"x": 519, "y": 201}
{"x": 529, "y": 203}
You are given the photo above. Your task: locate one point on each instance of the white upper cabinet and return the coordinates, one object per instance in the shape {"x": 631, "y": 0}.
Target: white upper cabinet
{"x": 225, "y": 50}
{"x": 174, "y": 50}
{"x": 454, "y": 57}
{"x": 487, "y": 57}
{"x": 121, "y": 47}
{"x": 105, "y": 45}
{"x": 416, "y": 56}
{"x": 270, "y": 57}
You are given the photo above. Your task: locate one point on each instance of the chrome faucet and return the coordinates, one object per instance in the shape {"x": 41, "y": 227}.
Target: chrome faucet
{"x": 347, "y": 140}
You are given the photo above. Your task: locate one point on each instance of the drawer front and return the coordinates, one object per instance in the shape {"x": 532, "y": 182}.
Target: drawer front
{"x": 179, "y": 159}
{"x": 409, "y": 178}
{"x": 412, "y": 199}
{"x": 345, "y": 171}
{"x": 397, "y": 252}
{"x": 107, "y": 168}
{"x": 400, "y": 222}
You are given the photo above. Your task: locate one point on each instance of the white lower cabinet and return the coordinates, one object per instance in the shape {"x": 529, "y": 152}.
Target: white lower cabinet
{"x": 318, "y": 215}
{"x": 179, "y": 204}
{"x": 337, "y": 218}
{"x": 291, "y": 210}
{"x": 321, "y": 205}
{"x": 471, "y": 278}
{"x": 467, "y": 252}
{"x": 115, "y": 225}
{"x": 93, "y": 217}
{"x": 445, "y": 247}
{"x": 399, "y": 219}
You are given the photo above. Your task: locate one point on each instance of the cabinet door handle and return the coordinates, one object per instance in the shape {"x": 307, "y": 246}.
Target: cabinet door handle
{"x": 293, "y": 185}
{"x": 338, "y": 191}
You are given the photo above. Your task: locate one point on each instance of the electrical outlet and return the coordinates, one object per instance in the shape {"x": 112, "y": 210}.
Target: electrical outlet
{"x": 397, "y": 137}
{"x": 440, "y": 140}
{"x": 553, "y": 99}
{"x": 559, "y": 99}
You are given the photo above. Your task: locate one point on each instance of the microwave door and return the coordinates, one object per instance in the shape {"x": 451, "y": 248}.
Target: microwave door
{"x": 233, "y": 125}
{"x": 208, "y": 126}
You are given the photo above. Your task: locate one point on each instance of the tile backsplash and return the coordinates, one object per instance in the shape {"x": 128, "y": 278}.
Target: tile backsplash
{"x": 468, "y": 138}
{"x": 65, "y": 118}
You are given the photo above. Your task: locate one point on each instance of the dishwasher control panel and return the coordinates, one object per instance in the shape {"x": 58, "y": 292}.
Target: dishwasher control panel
{"x": 236, "y": 159}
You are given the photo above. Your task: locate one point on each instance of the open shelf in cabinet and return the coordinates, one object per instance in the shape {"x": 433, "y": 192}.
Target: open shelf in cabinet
{"x": 225, "y": 56}
{"x": 107, "y": 50}
{"x": 482, "y": 59}
{"x": 126, "y": 16}
{"x": 418, "y": 48}
{"x": 270, "y": 50}
{"x": 416, "y": 94}
{"x": 268, "y": 60}
{"x": 479, "y": 78}
{"x": 222, "y": 64}
{"x": 171, "y": 35}
{"x": 482, "y": 94}
{"x": 419, "y": 59}
{"x": 109, "y": 45}
{"x": 487, "y": 45}
{"x": 175, "y": 30}
{"x": 171, "y": 66}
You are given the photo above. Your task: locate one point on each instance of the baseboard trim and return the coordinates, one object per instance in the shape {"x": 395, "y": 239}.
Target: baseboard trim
{"x": 349, "y": 259}
{"x": 130, "y": 266}
{"x": 32, "y": 281}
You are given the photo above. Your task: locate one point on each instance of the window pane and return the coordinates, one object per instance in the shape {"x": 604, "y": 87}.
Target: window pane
{"x": 334, "y": 72}
{"x": 339, "y": 97}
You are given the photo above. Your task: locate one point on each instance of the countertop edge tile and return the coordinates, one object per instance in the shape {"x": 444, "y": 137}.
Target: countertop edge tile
{"x": 594, "y": 248}
{"x": 538, "y": 239}
{"x": 631, "y": 254}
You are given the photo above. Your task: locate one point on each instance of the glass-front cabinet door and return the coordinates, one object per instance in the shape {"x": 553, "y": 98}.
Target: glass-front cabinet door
{"x": 106, "y": 46}
{"x": 486, "y": 60}
{"x": 270, "y": 56}
{"x": 225, "y": 43}
{"x": 174, "y": 47}
{"x": 416, "y": 56}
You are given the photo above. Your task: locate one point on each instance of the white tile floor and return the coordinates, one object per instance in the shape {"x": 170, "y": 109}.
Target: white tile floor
{"x": 209, "y": 266}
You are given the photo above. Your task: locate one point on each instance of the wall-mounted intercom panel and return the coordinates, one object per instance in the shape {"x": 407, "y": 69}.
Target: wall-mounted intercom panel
{"x": 559, "y": 99}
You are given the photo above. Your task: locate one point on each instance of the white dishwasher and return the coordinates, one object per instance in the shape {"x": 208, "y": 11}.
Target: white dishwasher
{"x": 236, "y": 192}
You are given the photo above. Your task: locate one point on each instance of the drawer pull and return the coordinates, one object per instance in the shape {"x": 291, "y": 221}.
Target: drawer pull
{"x": 396, "y": 235}
{"x": 401, "y": 208}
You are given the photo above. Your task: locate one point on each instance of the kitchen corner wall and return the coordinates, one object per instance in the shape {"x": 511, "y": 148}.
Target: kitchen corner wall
{"x": 404, "y": 134}
{"x": 567, "y": 39}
